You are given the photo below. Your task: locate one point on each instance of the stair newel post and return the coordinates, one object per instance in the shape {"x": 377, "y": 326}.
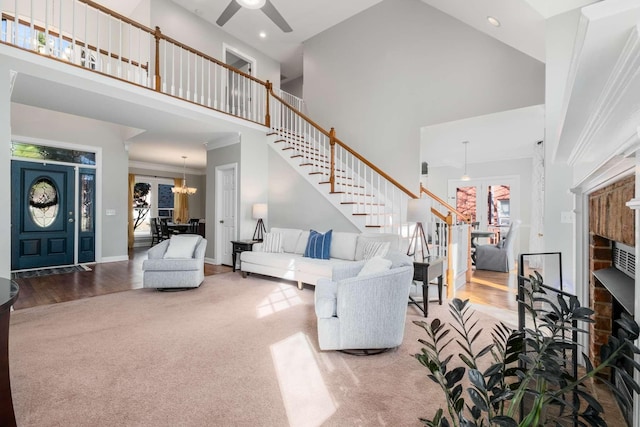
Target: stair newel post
{"x": 267, "y": 117}
{"x": 332, "y": 143}
{"x": 157, "y": 35}
{"x": 450, "y": 273}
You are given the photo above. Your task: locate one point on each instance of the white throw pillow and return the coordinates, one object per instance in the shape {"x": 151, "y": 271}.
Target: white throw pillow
{"x": 377, "y": 264}
{"x": 372, "y": 249}
{"x": 272, "y": 242}
{"x": 182, "y": 246}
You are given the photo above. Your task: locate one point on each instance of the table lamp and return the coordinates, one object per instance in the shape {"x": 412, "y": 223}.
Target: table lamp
{"x": 259, "y": 211}
{"x": 418, "y": 211}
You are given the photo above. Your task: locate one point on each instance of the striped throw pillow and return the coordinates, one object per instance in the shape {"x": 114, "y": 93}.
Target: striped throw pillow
{"x": 272, "y": 242}
{"x": 372, "y": 249}
{"x": 318, "y": 245}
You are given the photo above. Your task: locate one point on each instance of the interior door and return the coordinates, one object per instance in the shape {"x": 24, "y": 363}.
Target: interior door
{"x": 42, "y": 215}
{"x": 227, "y": 205}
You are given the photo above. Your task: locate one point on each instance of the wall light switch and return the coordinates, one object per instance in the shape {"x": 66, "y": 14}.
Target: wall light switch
{"x": 566, "y": 217}
{"x": 111, "y": 212}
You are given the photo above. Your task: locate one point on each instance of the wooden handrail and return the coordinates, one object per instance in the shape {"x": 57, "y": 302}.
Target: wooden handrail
{"x": 346, "y": 147}
{"x": 11, "y": 18}
{"x": 445, "y": 204}
{"x": 117, "y": 15}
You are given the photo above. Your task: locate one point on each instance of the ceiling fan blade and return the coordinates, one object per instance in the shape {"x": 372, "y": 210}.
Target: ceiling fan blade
{"x": 231, "y": 10}
{"x": 270, "y": 10}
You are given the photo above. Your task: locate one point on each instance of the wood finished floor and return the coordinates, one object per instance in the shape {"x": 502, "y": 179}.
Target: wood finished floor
{"x": 103, "y": 279}
{"x": 486, "y": 288}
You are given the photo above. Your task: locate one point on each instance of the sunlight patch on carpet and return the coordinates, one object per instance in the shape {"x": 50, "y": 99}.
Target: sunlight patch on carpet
{"x": 306, "y": 397}
{"x": 283, "y": 297}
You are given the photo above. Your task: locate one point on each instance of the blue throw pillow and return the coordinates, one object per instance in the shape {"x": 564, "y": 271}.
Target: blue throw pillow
{"x": 318, "y": 245}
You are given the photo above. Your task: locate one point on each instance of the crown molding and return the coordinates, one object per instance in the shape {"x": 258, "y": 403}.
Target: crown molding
{"x": 224, "y": 141}
{"x": 624, "y": 73}
{"x": 165, "y": 168}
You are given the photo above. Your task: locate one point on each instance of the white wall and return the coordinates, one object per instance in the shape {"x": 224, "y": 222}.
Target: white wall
{"x": 185, "y": 27}
{"x": 47, "y": 125}
{"x": 558, "y": 236}
{"x": 383, "y": 74}
{"x": 294, "y": 87}
{"x": 254, "y": 178}
{"x": 295, "y": 203}
{"x": 439, "y": 177}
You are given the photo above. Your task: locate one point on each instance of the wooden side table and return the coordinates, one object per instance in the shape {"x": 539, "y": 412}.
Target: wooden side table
{"x": 432, "y": 268}
{"x": 241, "y": 246}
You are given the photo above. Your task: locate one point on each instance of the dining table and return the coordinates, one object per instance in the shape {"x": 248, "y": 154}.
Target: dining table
{"x": 178, "y": 228}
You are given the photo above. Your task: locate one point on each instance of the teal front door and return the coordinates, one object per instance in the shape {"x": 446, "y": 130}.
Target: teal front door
{"x": 42, "y": 215}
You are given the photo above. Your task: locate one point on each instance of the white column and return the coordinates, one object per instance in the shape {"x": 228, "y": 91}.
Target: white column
{"x": 5, "y": 169}
{"x": 635, "y": 205}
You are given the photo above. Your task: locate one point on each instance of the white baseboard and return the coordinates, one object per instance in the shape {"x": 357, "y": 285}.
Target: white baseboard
{"x": 213, "y": 261}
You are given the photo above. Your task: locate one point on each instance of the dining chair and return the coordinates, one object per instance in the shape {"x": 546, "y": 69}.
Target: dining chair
{"x": 193, "y": 225}
{"x": 155, "y": 231}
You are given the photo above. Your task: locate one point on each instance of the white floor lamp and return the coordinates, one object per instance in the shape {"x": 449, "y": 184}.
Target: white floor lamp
{"x": 418, "y": 211}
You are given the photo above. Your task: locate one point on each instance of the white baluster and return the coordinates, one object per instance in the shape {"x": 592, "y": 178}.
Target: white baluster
{"x": 180, "y": 81}
{"x": 86, "y": 37}
{"x": 33, "y": 42}
{"x": 16, "y": 22}
{"x": 173, "y": 69}
{"x": 209, "y": 83}
{"x": 109, "y": 23}
{"x": 59, "y": 55}
{"x": 73, "y": 32}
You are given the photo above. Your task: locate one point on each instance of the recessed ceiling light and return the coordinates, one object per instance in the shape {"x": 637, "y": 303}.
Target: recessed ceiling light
{"x": 262, "y": 35}
{"x": 493, "y": 21}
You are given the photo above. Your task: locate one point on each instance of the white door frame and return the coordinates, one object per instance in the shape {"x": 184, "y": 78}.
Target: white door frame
{"x": 219, "y": 208}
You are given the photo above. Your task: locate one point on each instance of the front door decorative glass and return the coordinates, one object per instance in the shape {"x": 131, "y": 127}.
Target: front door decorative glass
{"x": 44, "y": 203}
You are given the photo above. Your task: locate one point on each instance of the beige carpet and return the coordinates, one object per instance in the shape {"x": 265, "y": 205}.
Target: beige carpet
{"x": 235, "y": 352}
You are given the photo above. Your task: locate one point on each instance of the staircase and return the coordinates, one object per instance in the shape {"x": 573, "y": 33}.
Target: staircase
{"x": 133, "y": 53}
{"x": 369, "y": 198}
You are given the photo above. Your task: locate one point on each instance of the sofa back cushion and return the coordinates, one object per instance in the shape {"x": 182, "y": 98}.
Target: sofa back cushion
{"x": 302, "y": 242}
{"x": 364, "y": 238}
{"x": 289, "y": 237}
{"x": 343, "y": 245}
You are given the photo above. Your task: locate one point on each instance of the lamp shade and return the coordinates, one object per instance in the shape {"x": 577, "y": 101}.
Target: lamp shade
{"x": 259, "y": 210}
{"x": 418, "y": 210}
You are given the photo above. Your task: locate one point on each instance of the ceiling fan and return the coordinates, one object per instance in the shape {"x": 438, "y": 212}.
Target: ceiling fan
{"x": 265, "y": 5}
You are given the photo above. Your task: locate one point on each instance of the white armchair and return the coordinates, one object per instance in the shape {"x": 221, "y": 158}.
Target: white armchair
{"x": 364, "y": 312}
{"x": 175, "y": 263}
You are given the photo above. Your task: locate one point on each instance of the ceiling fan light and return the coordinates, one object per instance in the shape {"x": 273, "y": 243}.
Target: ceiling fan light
{"x": 252, "y": 4}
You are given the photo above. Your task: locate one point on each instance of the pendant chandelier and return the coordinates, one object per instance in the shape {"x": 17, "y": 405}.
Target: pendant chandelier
{"x": 184, "y": 189}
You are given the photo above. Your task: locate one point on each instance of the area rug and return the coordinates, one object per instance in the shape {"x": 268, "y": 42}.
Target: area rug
{"x": 49, "y": 271}
{"x": 234, "y": 352}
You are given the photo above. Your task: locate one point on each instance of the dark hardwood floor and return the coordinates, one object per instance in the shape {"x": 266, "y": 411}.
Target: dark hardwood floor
{"x": 486, "y": 287}
{"x": 103, "y": 279}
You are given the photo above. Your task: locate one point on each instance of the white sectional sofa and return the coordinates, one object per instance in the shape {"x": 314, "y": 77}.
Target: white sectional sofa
{"x": 290, "y": 264}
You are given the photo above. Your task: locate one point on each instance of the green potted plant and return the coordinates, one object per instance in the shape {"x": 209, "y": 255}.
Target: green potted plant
{"x": 523, "y": 377}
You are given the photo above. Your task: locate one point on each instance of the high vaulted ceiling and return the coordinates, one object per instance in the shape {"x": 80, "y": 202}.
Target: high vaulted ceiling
{"x": 522, "y": 22}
